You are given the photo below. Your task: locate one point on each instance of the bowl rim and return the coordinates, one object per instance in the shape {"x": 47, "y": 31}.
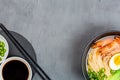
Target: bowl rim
{"x": 87, "y": 47}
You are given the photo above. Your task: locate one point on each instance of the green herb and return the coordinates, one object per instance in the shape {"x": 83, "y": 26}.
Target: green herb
{"x": 100, "y": 75}
{"x": 2, "y": 49}
{"x": 0, "y": 58}
{"x": 112, "y": 71}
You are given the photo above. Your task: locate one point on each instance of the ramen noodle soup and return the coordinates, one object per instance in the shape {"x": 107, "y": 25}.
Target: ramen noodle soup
{"x": 103, "y": 60}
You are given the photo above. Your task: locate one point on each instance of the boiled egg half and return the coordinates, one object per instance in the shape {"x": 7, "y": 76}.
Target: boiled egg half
{"x": 114, "y": 62}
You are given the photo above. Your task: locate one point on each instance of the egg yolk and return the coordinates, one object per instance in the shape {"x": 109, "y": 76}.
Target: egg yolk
{"x": 117, "y": 60}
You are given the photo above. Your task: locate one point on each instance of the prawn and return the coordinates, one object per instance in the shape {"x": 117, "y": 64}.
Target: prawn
{"x": 102, "y": 43}
{"x": 113, "y": 47}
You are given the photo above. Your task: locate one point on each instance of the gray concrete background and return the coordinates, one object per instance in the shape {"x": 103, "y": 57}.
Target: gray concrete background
{"x": 59, "y": 29}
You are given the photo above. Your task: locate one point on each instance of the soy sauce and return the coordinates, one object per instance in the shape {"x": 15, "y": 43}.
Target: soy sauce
{"x": 15, "y": 70}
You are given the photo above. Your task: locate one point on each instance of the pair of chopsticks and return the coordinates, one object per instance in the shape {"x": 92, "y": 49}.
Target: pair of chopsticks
{"x": 35, "y": 66}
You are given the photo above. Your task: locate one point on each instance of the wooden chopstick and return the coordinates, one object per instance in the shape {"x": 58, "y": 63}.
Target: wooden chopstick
{"x": 35, "y": 66}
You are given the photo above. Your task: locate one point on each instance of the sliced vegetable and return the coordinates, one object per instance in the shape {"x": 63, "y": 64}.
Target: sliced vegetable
{"x": 2, "y": 49}
{"x": 112, "y": 71}
{"x": 0, "y": 58}
{"x": 100, "y": 75}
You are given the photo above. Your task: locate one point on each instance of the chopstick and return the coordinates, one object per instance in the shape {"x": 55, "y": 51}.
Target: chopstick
{"x": 35, "y": 66}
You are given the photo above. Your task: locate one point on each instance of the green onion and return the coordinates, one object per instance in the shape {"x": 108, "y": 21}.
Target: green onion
{"x": 0, "y": 58}
{"x": 2, "y": 49}
{"x": 100, "y": 75}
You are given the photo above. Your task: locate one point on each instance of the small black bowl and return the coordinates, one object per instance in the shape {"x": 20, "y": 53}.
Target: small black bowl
{"x": 85, "y": 54}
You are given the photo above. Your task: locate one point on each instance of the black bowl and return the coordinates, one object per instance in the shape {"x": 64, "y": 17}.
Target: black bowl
{"x": 84, "y": 56}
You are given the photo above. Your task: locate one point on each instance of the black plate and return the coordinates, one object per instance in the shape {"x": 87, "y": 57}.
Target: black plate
{"x": 84, "y": 57}
{"x": 13, "y": 51}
